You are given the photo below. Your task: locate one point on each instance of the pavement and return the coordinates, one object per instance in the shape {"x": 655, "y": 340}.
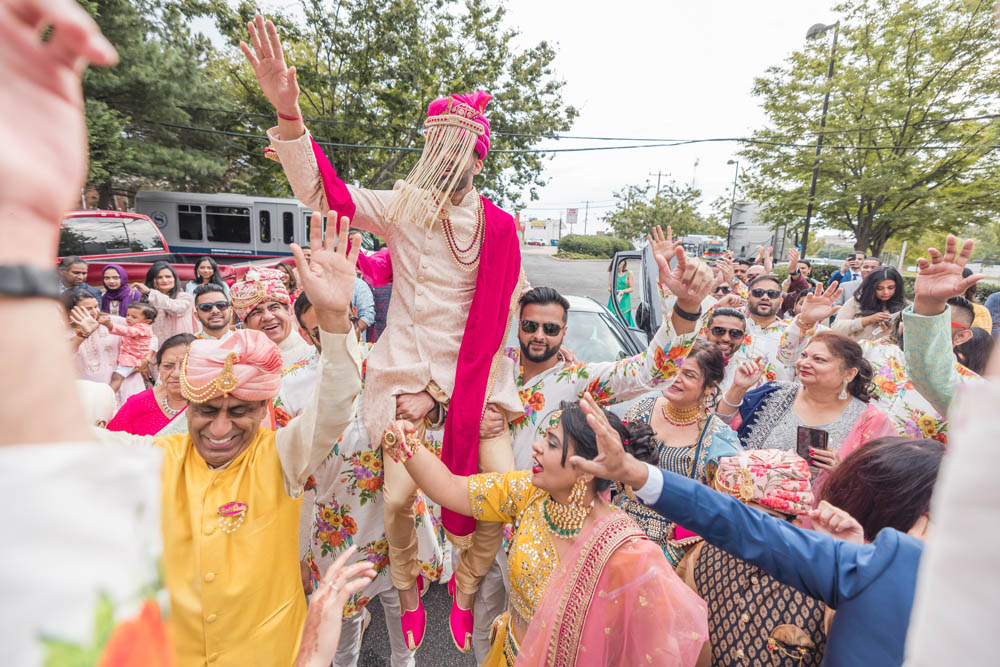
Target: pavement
{"x": 578, "y": 277}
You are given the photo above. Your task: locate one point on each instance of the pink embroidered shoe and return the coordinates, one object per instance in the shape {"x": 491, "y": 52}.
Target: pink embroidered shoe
{"x": 414, "y": 622}
{"x": 460, "y": 621}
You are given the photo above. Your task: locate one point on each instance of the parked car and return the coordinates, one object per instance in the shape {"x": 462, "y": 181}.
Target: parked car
{"x": 592, "y": 333}
{"x": 133, "y": 241}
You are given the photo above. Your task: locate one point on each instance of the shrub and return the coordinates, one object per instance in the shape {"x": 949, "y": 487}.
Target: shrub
{"x": 594, "y": 246}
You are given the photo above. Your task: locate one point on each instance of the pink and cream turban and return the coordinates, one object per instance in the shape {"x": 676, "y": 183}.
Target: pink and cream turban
{"x": 773, "y": 478}
{"x": 256, "y": 287}
{"x": 247, "y": 366}
{"x": 466, "y": 110}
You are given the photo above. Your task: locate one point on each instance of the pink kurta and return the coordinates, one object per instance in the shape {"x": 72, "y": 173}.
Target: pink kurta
{"x": 174, "y": 316}
{"x": 141, "y": 415}
{"x": 97, "y": 358}
{"x": 431, "y": 294}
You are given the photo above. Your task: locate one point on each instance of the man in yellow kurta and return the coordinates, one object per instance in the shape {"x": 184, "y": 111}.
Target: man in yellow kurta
{"x": 232, "y": 485}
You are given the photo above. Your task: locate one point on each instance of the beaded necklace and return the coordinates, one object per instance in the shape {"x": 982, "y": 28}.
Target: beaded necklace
{"x": 466, "y": 258}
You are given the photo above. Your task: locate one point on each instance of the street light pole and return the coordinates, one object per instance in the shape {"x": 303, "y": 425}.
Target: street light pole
{"x": 732, "y": 203}
{"x": 817, "y": 31}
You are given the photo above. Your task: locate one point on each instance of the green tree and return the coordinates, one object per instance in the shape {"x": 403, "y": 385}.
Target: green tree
{"x": 369, "y": 68}
{"x": 907, "y": 74}
{"x": 639, "y": 208}
{"x": 132, "y": 107}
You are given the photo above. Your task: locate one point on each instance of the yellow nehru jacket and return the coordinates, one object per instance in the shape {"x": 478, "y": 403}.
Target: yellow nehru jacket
{"x": 235, "y": 597}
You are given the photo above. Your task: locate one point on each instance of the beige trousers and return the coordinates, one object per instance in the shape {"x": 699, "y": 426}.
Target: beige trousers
{"x": 400, "y": 491}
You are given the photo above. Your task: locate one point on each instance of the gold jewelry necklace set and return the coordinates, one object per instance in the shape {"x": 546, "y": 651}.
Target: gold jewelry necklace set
{"x": 566, "y": 521}
{"x": 680, "y": 416}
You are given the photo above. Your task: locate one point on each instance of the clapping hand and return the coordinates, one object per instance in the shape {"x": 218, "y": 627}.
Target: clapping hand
{"x": 818, "y": 305}
{"x": 793, "y": 260}
{"x": 82, "y": 320}
{"x": 836, "y": 523}
{"x": 941, "y": 278}
{"x": 748, "y": 374}
{"x": 277, "y": 81}
{"x": 328, "y": 277}
{"x": 326, "y": 609}
{"x": 727, "y": 270}
{"x": 690, "y": 280}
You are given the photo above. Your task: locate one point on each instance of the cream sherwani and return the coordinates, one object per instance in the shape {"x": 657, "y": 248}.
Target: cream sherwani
{"x": 431, "y": 298}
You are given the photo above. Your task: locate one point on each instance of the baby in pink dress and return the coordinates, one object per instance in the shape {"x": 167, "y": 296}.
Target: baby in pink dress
{"x": 137, "y": 336}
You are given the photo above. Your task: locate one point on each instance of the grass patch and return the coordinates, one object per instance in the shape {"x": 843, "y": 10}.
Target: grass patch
{"x": 576, "y": 255}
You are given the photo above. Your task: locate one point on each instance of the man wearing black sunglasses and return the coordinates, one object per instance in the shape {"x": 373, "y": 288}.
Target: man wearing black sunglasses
{"x": 213, "y": 310}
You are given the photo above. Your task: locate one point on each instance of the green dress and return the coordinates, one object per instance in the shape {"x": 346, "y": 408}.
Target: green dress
{"x": 621, "y": 282}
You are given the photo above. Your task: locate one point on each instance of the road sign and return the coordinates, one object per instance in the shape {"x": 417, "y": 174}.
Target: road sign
{"x": 571, "y": 216}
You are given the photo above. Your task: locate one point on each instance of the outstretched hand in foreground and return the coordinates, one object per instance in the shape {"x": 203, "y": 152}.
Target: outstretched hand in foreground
{"x": 321, "y": 633}
{"x": 612, "y": 461}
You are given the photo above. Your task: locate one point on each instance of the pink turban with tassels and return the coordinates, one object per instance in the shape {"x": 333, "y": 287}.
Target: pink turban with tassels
{"x": 469, "y": 107}
{"x": 247, "y": 366}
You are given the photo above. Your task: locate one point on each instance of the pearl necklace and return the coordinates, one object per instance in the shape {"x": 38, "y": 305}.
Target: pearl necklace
{"x": 466, "y": 258}
{"x": 680, "y": 417}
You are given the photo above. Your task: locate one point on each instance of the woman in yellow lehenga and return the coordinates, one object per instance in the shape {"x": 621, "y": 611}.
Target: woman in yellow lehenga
{"x": 593, "y": 587}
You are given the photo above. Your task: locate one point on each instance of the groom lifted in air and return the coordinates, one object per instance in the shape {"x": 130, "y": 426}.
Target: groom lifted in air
{"x": 456, "y": 265}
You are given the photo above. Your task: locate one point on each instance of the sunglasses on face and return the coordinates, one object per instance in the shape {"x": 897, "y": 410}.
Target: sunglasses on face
{"x": 735, "y": 334}
{"x": 223, "y": 306}
{"x": 722, "y": 289}
{"x": 771, "y": 293}
{"x": 548, "y": 328}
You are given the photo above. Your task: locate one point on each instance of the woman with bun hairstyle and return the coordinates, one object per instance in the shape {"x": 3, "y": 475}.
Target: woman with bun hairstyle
{"x": 831, "y": 395}
{"x": 689, "y": 439}
{"x": 594, "y": 589}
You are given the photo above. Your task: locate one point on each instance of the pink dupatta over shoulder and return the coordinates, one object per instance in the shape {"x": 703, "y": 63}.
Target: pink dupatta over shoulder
{"x": 615, "y": 600}
{"x": 485, "y": 329}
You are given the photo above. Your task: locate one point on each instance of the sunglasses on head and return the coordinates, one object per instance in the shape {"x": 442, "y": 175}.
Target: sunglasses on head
{"x": 771, "y": 293}
{"x": 548, "y": 328}
{"x": 223, "y": 306}
{"x": 719, "y": 332}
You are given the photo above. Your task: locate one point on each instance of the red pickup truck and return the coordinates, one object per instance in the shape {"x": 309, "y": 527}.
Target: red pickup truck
{"x": 133, "y": 241}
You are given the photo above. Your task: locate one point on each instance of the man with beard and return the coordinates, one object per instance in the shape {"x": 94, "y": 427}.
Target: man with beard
{"x": 764, "y": 329}
{"x": 214, "y": 312}
{"x": 544, "y": 378}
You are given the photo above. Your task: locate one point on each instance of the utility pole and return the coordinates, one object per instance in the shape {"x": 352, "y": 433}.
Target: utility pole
{"x": 656, "y": 200}
{"x": 585, "y": 212}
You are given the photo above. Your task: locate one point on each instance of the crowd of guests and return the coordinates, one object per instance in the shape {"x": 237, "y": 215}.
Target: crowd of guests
{"x": 784, "y": 490}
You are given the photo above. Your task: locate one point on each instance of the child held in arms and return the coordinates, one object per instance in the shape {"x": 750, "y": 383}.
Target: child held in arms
{"x": 137, "y": 339}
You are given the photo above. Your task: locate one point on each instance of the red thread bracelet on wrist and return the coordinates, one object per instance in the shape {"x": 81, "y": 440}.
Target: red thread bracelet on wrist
{"x": 284, "y": 117}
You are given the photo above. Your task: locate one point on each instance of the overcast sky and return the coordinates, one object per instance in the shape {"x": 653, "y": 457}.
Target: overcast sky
{"x": 654, "y": 69}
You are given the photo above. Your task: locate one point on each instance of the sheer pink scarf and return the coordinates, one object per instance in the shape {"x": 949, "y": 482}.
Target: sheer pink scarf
{"x": 614, "y": 600}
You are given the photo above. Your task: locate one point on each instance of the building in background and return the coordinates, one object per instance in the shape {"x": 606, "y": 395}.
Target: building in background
{"x": 541, "y": 232}
{"x": 750, "y": 231}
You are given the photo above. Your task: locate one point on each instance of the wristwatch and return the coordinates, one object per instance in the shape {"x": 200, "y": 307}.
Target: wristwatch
{"x": 24, "y": 281}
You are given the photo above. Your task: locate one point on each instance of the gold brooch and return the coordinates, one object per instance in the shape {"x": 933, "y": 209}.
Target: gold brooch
{"x": 225, "y": 384}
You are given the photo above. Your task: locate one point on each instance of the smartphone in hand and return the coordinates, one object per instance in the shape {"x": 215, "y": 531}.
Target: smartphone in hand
{"x": 811, "y": 438}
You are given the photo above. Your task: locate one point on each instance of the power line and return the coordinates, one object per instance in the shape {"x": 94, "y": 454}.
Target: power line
{"x": 744, "y": 140}
{"x": 558, "y": 137}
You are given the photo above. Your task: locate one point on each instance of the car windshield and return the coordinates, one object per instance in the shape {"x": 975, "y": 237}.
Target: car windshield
{"x": 591, "y": 336}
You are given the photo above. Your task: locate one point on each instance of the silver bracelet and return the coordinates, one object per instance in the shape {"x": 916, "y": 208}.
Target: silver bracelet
{"x": 737, "y": 406}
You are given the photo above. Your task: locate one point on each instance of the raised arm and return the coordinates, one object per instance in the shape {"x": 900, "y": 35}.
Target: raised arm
{"x": 328, "y": 280}
{"x": 659, "y": 362}
{"x": 816, "y": 308}
{"x": 930, "y": 361}
{"x": 43, "y": 99}
{"x": 302, "y": 159}
{"x": 182, "y": 304}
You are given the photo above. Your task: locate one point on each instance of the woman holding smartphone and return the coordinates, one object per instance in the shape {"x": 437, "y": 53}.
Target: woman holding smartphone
{"x": 830, "y": 395}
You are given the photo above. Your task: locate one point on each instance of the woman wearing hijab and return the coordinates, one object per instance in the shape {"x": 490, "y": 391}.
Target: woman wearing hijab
{"x": 118, "y": 294}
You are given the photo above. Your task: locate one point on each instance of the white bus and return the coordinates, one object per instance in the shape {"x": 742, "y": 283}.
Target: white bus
{"x": 226, "y": 225}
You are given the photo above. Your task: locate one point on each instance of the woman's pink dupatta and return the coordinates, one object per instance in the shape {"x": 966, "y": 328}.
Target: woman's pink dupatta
{"x": 615, "y": 600}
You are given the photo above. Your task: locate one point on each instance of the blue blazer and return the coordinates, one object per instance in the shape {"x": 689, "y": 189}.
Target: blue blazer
{"x": 871, "y": 586}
